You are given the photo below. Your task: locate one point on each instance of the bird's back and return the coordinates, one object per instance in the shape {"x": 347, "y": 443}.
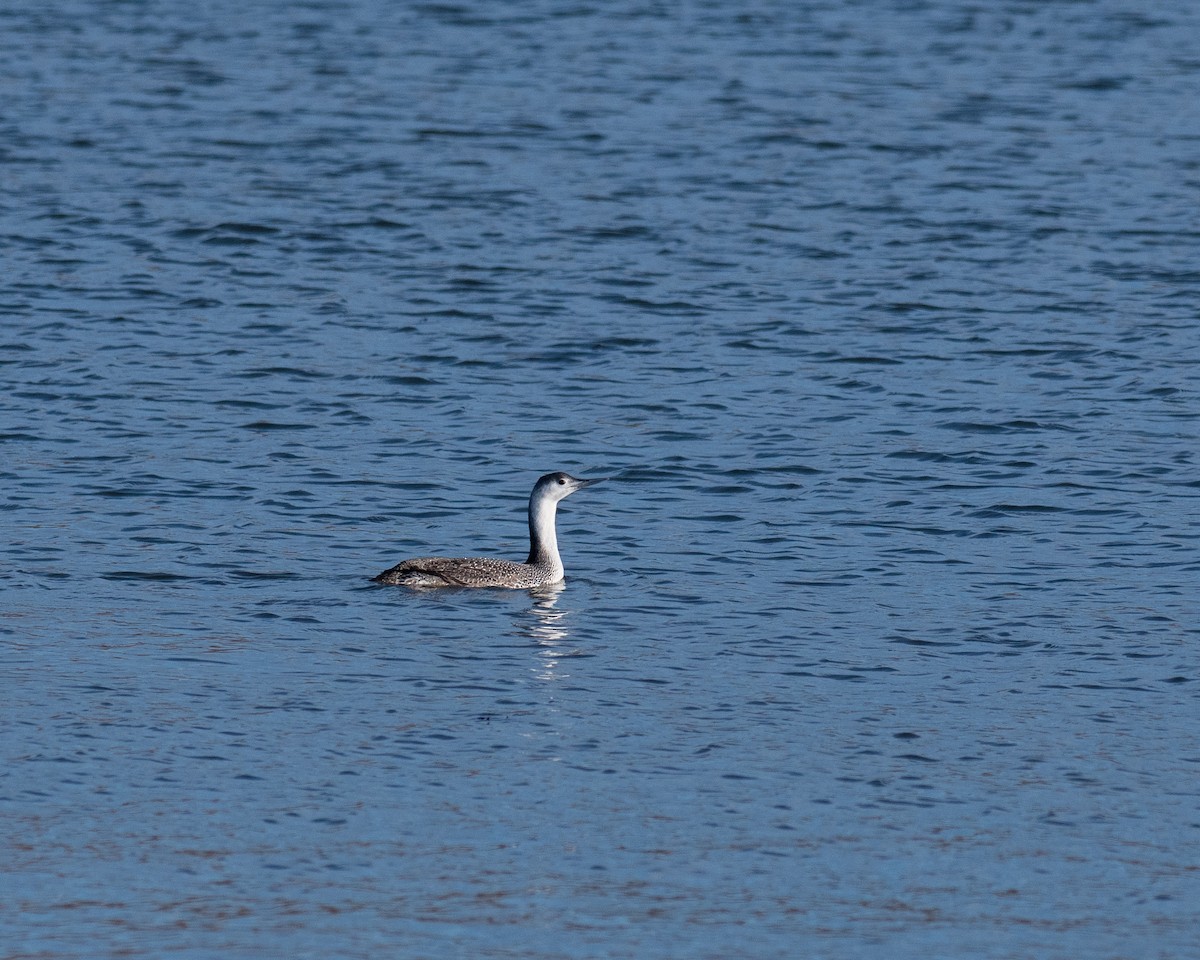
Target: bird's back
{"x": 465, "y": 572}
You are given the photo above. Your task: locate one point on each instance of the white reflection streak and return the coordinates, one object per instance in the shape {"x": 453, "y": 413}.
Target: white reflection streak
{"x": 548, "y": 631}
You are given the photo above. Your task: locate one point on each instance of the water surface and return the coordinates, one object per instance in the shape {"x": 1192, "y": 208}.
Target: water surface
{"x": 881, "y": 643}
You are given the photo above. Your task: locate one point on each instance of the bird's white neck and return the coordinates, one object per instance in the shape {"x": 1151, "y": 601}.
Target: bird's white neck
{"x": 543, "y": 544}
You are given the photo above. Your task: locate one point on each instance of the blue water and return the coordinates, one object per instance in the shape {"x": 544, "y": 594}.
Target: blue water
{"x": 883, "y": 640}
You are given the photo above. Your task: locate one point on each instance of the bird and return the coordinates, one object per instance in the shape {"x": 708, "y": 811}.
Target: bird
{"x": 543, "y": 566}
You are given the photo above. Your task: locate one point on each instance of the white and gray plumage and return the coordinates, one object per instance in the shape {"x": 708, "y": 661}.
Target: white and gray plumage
{"x": 543, "y": 566}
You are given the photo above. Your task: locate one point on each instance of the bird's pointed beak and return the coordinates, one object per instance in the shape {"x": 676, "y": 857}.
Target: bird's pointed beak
{"x": 588, "y": 483}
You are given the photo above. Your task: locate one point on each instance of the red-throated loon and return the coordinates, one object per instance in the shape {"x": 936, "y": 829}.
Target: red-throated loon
{"x": 543, "y": 566}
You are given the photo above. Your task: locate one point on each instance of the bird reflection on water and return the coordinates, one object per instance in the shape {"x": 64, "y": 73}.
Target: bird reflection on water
{"x": 546, "y": 626}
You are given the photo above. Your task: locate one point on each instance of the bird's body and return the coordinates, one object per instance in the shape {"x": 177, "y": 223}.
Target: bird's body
{"x": 543, "y": 566}
{"x": 466, "y": 572}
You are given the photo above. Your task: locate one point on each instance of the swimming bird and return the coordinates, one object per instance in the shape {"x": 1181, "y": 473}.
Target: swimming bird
{"x": 543, "y": 566}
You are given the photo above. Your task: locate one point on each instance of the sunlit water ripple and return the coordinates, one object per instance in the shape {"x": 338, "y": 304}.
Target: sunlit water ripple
{"x": 881, "y": 642}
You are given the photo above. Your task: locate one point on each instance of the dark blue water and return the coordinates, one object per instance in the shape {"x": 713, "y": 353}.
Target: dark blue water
{"x": 883, "y": 640}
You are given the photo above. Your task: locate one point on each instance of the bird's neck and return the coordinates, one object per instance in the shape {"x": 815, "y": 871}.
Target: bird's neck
{"x": 543, "y": 544}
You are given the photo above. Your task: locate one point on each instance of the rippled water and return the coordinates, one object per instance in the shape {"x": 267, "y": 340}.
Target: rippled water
{"x": 881, "y": 643}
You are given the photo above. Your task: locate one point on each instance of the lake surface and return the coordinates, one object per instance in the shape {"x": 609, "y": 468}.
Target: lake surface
{"x": 883, "y": 640}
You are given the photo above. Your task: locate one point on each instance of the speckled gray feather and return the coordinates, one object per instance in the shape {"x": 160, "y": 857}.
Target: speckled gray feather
{"x": 466, "y": 572}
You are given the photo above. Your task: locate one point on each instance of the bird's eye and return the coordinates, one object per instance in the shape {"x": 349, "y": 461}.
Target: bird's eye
{"x": 561, "y": 481}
